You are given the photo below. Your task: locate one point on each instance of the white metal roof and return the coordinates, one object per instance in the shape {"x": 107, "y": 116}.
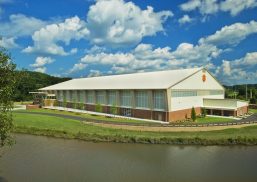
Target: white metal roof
{"x": 147, "y": 80}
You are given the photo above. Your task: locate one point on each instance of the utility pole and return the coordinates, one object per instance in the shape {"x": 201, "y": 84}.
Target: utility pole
{"x": 246, "y": 91}
{"x": 246, "y": 88}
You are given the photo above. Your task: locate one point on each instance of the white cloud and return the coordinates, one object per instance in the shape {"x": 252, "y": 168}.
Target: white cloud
{"x": 42, "y": 61}
{"x": 118, "y": 23}
{"x": 207, "y": 7}
{"x": 146, "y": 58}
{"x": 185, "y": 19}
{"x": 77, "y": 67}
{"x": 8, "y": 43}
{"x": 235, "y": 7}
{"x": 231, "y": 35}
{"x": 20, "y": 25}
{"x": 94, "y": 73}
{"x": 239, "y": 70}
{"x": 47, "y": 39}
{"x": 40, "y": 69}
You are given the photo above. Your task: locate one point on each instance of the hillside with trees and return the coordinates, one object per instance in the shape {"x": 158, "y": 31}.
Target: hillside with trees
{"x": 30, "y": 81}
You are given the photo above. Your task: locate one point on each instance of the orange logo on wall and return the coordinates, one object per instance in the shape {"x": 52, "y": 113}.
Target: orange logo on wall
{"x": 204, "y": 77}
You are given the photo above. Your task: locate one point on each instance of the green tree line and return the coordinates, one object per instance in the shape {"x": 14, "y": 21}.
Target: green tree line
{"x": 30, "y": 81}
{"x": 239, "y": 92}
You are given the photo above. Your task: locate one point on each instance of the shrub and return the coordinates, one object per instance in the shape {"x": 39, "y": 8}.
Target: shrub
{"x": 114, "y": 110}
{"x": 203, "y": 112}
{"x": 81, "y": 106}
{"x": 98, "y": 108}
{"x": 193, "y": 114}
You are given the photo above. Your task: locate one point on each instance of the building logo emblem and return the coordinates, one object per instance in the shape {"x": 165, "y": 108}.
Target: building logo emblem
{"x": 203, "y": 76}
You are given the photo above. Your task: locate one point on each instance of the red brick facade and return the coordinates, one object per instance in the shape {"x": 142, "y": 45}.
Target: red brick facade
{"x": 29, "y": 107}
{"x": 183, "y": 114}
{"x": 242, "y": 110}
{"x": 160, "y": 115}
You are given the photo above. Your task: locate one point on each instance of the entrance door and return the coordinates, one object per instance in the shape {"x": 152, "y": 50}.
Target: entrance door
{"x": 160, "y": 117}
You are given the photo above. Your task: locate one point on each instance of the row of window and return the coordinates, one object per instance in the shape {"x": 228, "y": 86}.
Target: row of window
{"x": 196, "y": 93}
{"x": 91, "y": 97}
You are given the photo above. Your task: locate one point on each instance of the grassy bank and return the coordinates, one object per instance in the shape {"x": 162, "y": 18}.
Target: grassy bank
{"x": 68, "y": 128}
{"x": 207, "y": 119}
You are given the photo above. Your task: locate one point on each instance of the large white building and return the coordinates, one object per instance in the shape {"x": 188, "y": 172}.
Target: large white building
{"x": 162, "y": 95}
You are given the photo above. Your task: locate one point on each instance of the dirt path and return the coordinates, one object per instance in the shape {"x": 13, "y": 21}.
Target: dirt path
{"x": 170, "y": 129}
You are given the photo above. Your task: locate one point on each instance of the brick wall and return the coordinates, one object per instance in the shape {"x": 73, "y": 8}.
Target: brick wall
{"x": 29, "y": 107}
{"x": 139, "y": 113}
{"x": 242, "y": 110}
{"x": 183, "y": 114}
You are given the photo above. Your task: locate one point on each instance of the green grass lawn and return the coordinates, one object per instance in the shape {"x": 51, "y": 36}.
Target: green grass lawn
{"x": 209, "y": 119}
{"x": 68, "y": 128}
{"x": 253, "y": 110}
{"x": 88, "y": 116}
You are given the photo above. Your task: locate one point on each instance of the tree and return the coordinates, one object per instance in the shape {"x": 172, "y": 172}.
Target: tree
{"x": 193, "y": 114}
{"x": 8, "y": 79}
{"x": 203, "y": 112}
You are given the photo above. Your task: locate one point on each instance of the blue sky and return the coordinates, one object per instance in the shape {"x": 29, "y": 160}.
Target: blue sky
{"x": 79, "y": 38}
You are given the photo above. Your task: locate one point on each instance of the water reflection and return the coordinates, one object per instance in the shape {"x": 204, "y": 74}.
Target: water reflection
{"x": 47, "y": 159}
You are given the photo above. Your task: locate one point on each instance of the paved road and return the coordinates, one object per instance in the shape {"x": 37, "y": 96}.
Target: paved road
{"x": 250, "y": 120}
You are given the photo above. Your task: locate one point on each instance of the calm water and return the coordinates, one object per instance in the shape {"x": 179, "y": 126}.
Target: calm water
{"x": 35, "y": 158}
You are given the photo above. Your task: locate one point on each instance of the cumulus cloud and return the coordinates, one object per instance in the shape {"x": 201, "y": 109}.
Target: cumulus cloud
{"x": 20, "y": 25}
{"x": 235, "y": 7}
{"x": 94, "y": 73}
{"x": 77, "y": 67}
{"x": 17, "y": 26}
{"x": 147, "y": 58}
{"x": 185, "y": 19}
{"x": 118, "y": 23}
{"x": 207, "y": 7}
{"x": 40, "y": 63}
{"x": 47, "y": 39}
{"x": 231, "y": 35}
{"x": 238, "y": 70}
{"x": 8, "y": 43}
{"x": 40, "y": 69}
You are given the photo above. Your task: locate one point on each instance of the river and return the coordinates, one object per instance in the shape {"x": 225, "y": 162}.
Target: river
{"x": 38, "y": 158}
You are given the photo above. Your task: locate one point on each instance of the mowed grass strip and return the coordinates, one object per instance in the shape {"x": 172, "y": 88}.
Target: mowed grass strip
{"x": 68, "y": 128}
{"x": 88, "y": 116}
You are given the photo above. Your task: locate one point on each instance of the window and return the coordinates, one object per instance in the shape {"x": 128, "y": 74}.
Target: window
{"x": 112, "y": 98}
{"x": 68, "y": 95}
{"x": 59, "y": 95}
{"x": 216, "y": 92}
{"x": 74, "y": 97}
{"x": 126, "y": 98}
{"x": 100, "y": 99}
{"x": 90, "y": 96}
{"x": 64, "y": 95}
{"x": 183, "y": 93}
{"x": 159, "y": 102}
{"x": 142, "y": 99}
{"x": 81, "y": 94}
